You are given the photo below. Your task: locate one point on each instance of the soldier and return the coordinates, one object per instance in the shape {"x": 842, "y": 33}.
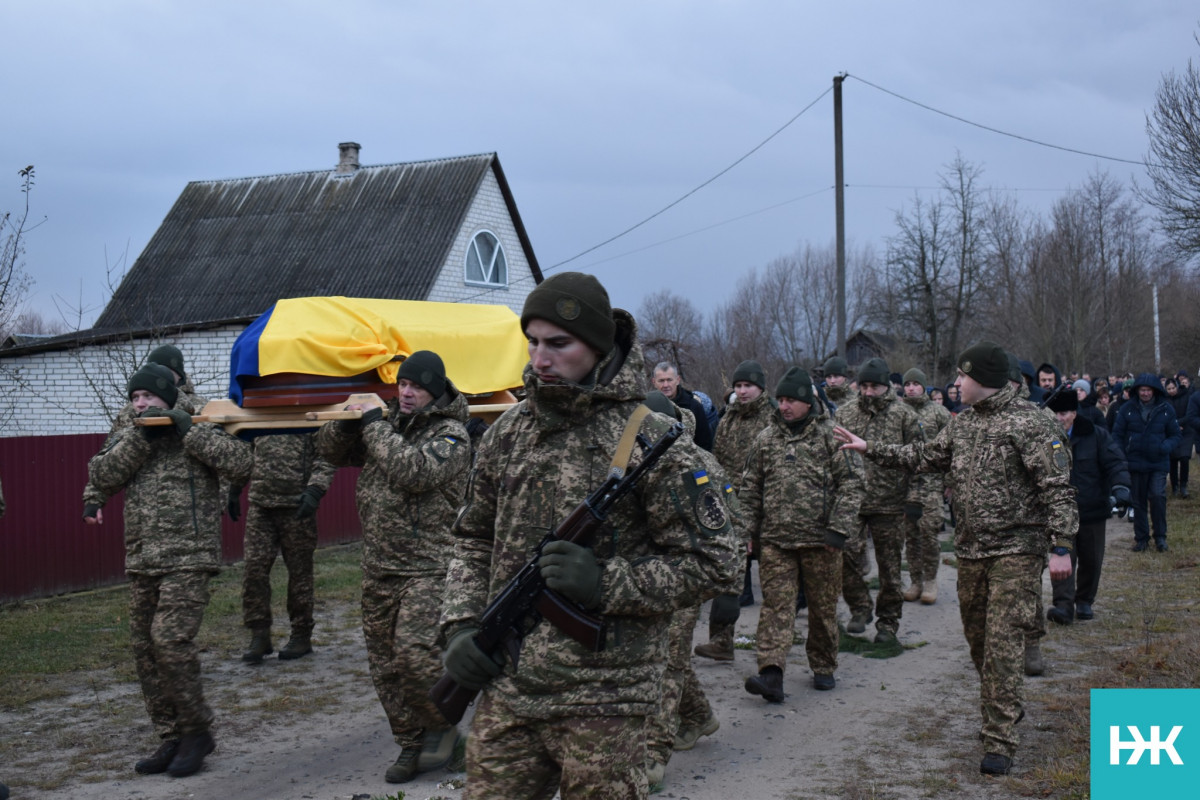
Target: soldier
{"x": 415, "y": 465}
{"x": 800, "y": 496}
{"x": 921, "y": 534}
{"x": 186, "y": 399}
{"x": 735, "y": 434}
{"x": 565, "y": 717}
{"x": 172, "y": 548}
{"x": 286, "y": 487}
{"x": 837, "y": 388}
{"x": 891, "y": 498}
{"x": 1010, "y": 474}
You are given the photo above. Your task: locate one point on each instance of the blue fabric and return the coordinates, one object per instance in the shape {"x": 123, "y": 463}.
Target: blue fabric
{"x": 243, "y": 358}
{"x": 1147, "y": 443}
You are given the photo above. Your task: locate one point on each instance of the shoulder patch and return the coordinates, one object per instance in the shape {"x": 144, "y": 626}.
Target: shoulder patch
{"x": 1059, "y": 453}
{"x": 710, "y": 510}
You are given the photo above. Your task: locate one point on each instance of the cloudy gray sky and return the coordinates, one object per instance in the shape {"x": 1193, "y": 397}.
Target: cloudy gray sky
{"x": 602, "y": 114}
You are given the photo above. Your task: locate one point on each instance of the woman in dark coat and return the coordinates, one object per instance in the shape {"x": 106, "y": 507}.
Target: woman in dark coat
{"x": 1181, "y": 456}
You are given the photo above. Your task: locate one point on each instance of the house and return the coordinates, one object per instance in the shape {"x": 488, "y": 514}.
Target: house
{"x": 445, "y": 229}
{"x": 863, "y": 344}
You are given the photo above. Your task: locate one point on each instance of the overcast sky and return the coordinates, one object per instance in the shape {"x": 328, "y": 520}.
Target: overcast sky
{"x": 601, "y": 113}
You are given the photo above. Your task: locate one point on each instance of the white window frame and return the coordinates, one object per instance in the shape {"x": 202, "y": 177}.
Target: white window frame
{"x": 488, "y": 270}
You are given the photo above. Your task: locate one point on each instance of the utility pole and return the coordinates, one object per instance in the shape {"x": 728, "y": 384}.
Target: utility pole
{"x": 840, "y": 213}
{"x": 1157, "y": 350}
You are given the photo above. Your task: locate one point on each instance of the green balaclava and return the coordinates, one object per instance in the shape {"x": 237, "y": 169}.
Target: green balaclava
{"x": 751, "y": 371}
{"x": 875, "y": 370}
{"x": 577, "y": 303}
{"x": 795, "y": 383}
{"x": 915, "y": 374}
{"x": 169, "y": 356}
{"x": 157, "y": 380}
{"x": 986, "y": 363}
{"x": 425, "y": 369}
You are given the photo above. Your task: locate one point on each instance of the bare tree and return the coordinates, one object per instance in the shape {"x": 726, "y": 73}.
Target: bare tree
{"x": 671, "y": 330}
{"x": 14, "y": 281}
{"x": 1173, "y": 162}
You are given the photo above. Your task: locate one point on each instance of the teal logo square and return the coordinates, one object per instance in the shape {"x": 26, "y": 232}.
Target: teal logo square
{"x": 1145, "y": 743}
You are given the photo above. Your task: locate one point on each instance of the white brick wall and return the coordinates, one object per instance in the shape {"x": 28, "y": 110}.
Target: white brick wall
{"x": 59, "y": 392}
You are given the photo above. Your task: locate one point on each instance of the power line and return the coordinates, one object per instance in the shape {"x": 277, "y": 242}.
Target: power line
{"x": 994, "y": 130}
{"x": 667, "y": 207}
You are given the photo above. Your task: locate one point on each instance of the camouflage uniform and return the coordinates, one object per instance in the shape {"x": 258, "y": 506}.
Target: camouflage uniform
{"x": 1010, "y": 471}
{"x": 409, "y": 491}
{"x": 841, "y": 395}
{"x": 885, "y": 493}
{"x": 569, "y": 718}
{"x": 921, "y": 546}
{"x": 800, "y": 493}
{"x": 173, "y": 506}
{"x": 284, "y": 466}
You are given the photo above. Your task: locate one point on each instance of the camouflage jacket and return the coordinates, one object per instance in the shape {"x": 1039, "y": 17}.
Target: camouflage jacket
{"x": 187, "y": 401}
{"x": 412, "y": 483}
{"x": 284, "y": 466}
{"x": 1010, "y": 471}
{"x": 173, "y": 500}
{"x": 933, "y": 417}
{"x": 841, "y": 395}
{"x": 800, "y": 489}
{"x": 888, "y": 420}
{"x": 670, "y": 543}
{"x": 735, "y": 434}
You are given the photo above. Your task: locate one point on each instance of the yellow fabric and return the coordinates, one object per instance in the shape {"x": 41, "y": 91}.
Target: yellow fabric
{"x": 482, "y": 345}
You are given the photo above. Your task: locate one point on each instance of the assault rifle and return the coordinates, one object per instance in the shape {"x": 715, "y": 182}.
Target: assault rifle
{"x": 525, "y": 601}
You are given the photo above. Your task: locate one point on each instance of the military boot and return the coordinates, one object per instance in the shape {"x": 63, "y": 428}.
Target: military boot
{"x": 720, "y": 643}
{"x": 1033, "y": 659}
{"x": 260, "y": 645}
{"x": 656, "y": 773}
{"x": 768, "y": 683}
{"x": 913, "y": 592}
{"x": 858, "y": 621}
{"x": 437, "y": 748}
{"x": 298, "y": 644}
{"x": 161, "y": 759}
{"x": 193, "y": 747}
{"x": 405, "y": 768}
{"x": 928, "y": 594}
{"x": 687, "y": 736}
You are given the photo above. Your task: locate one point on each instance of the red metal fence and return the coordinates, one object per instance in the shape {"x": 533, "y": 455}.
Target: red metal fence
{"x": 45, "y": 547}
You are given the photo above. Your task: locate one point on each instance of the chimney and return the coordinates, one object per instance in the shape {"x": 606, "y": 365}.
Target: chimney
{"x": 347, "y": 158}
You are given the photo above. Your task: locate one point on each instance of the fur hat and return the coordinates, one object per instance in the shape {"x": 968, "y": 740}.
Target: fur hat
{"x": 1063, "y": 401}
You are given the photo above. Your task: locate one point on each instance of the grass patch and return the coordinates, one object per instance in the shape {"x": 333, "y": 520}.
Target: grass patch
{"x": 866, "y": 648}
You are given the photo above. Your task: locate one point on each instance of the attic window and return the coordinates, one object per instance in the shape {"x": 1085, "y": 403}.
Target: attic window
{"x": 486, "y": 264}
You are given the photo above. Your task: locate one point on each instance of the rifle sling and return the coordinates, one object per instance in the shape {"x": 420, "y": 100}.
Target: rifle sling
{"x": 628, "y": 439}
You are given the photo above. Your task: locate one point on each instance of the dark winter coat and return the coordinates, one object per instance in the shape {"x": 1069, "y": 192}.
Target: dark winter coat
{"x": 704, "y": 434}
{"x": 1096, "y": 467}
{"x": 1188, "y": 437}
{"x": 1147, "y": 442}
{"x": 1191, "y": 421}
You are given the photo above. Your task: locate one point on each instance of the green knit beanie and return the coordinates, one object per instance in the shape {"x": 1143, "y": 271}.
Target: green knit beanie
{"x": 155, "y": 379}
{"x": 577, "y": 303}
{"x": 1014, "y": 369}
{"x": 986, "y": 363}
{"x": 425, "y": 369}
{"x": 836, "y": 365}
{"x": 168, "y": 355}
{"x": 875, "y": 370}
{"x": 659, "y": 402}
{"x": 750, "y": 371}
{"x": 915, "y": 374}
{"x": 796, "y": 384}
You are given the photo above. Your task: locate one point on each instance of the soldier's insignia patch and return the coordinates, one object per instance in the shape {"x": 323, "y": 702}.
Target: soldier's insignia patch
{"x": 1060, "y": 454}
{"x": 700, "y": 477}
{"x": 450, "y": 439}
{"x": 710, "y": 512}
{"x": 567, "y": 308}
{"x": 966, "y": 366}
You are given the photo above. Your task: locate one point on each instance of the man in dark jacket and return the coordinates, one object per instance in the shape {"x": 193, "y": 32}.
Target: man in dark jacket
{"x": 1146, "y": 431}
{"x": 666, "y": 380}
{"x": 1100, "y": 478}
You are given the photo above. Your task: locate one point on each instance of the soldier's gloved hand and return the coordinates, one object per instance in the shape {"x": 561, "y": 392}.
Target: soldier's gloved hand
{"x": 572, "y": 571}
{"x": 467, "y": 664}
{"x": 373, "y": 414}
{"x": 233, "y": 504}
{"x": 89, "y": 512}
{"x": 181, "y": 419}
{"x": 1121, "y": 497}
{"x": 152, "y": 432}
{"x": 913, "y": 511}
{"x": 309, "y": 500}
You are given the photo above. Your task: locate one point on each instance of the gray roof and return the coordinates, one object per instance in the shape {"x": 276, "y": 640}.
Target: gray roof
{"x": 228, "y": 249}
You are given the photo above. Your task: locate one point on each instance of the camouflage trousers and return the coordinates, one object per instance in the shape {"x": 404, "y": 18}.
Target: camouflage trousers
{"x": 400, "y": 625}
{"x": 921, "y": 547}
{"x": 887, "y": 531}
{"x": 165, "y": 612}
{"x": 599, "y": 758}
{"x": 998, "y": 598}
{"x": 779, "y": 571}
{"x": 270, "y": 531}
{"x": 683, "y": 700}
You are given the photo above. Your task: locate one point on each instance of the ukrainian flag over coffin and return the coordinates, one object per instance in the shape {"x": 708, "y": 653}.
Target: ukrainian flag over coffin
{"x": 482, "y": 346}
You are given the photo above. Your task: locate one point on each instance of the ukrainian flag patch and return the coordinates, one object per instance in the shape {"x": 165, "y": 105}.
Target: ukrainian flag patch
{"x": 450, "y": 439}
{"x": 700, "y": 476}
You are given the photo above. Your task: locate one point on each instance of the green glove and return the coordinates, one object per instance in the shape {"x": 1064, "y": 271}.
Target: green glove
{"x": 572, "y": 571}
{"x": 309, "y": 500}
{"x": 152, "y": 432}
{"x": 90, "y": 510}
{"x": 467, "y": 664}
{"x": 233, "y": 504}
{"x": 182, "y": 420}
